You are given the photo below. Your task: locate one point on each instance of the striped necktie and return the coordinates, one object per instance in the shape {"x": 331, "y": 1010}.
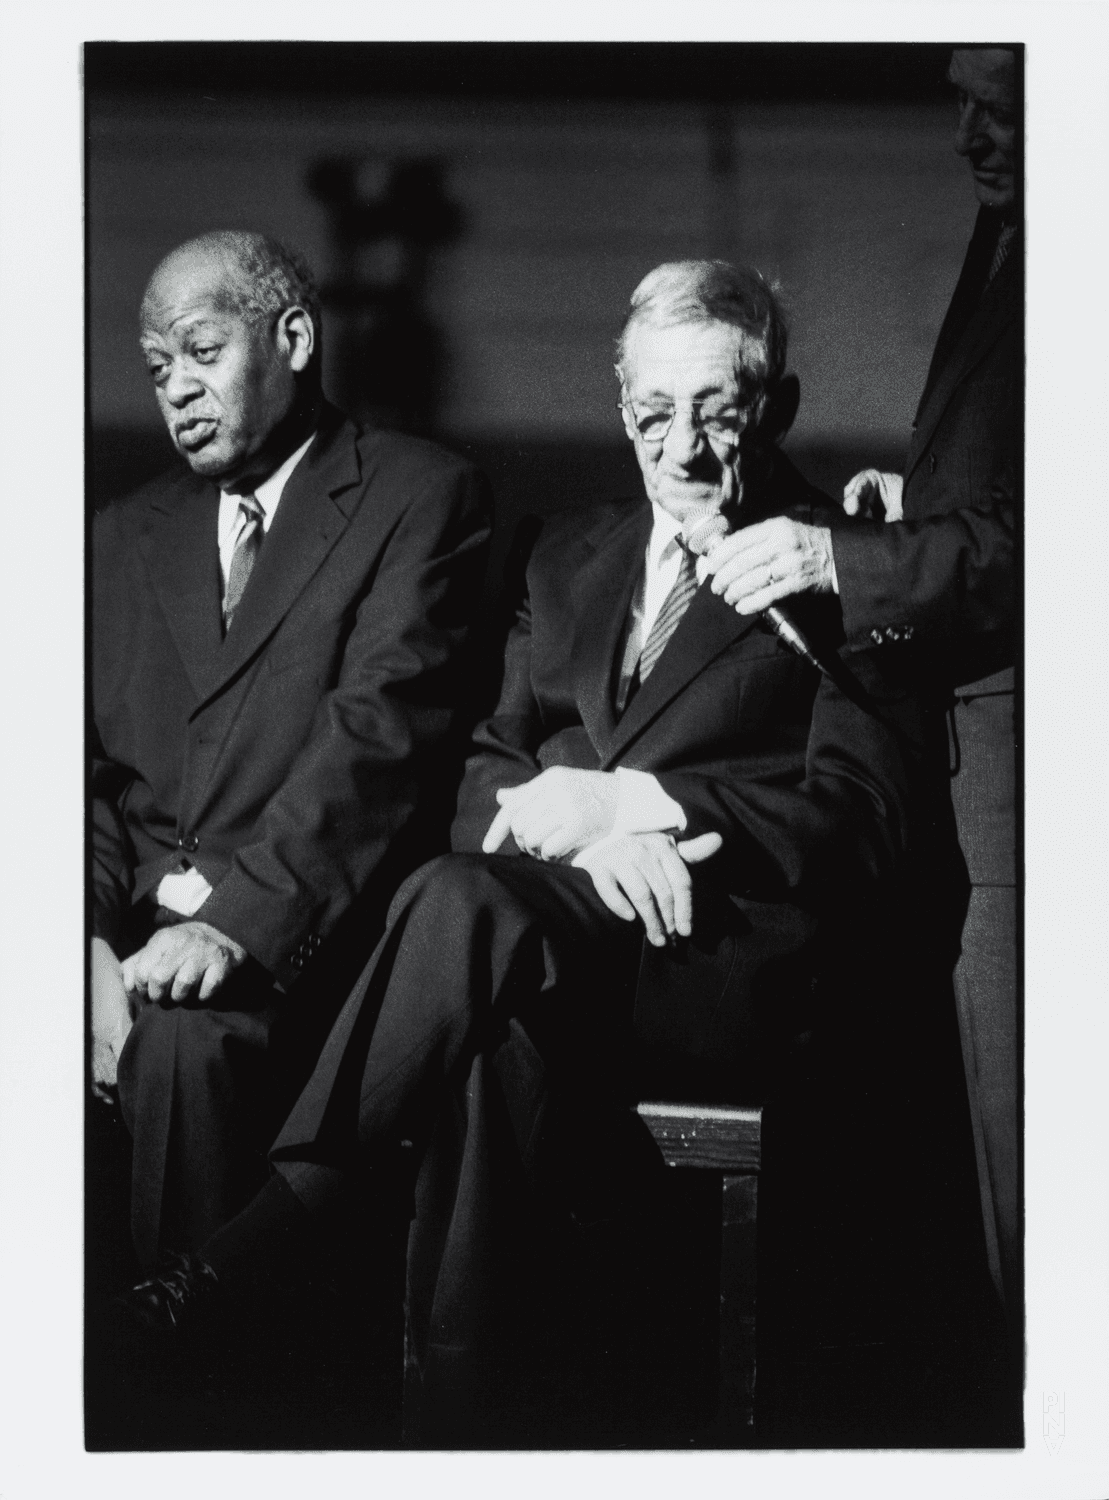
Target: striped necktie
{"x": 246, "y": 551}
{"x": 670, "y": 615}
{"x": 1001, "y": 254}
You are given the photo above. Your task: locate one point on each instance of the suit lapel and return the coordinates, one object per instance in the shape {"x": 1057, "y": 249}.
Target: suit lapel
{"x": 602, "y": 595}
{"x": 989, "y": 321}
{"x": 181, "y": 549}
{"x": 708, "y": 627}
{"x": 315, "y": 509}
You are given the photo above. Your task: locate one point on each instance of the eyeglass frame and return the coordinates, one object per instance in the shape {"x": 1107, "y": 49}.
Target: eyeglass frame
{"x": 627, "y": 408}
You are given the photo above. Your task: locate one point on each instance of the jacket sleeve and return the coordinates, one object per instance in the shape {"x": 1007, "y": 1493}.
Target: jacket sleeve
{"x": 504, "y": 745}
{"x": 375, "y": 739}
{"x": 951, "y": 577}
{"x": 824, "y": 819}
{"x": 112, "y": 859}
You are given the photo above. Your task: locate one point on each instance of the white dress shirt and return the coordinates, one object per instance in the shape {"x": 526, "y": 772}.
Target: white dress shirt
{"x": 185, "y": 890}
{"x": 642, "y": 806}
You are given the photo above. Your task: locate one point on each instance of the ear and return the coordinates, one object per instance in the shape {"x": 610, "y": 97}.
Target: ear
{"x": 296, "y": 338}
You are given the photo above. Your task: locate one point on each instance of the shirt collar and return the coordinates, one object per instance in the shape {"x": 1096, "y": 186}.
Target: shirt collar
{"x": 666, "y": 529}
{"x": 267, "y": 494}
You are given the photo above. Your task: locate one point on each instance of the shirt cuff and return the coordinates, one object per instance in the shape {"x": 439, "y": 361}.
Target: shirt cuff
{"x": 184, "y": 892}
{"x": 643, "y": 807}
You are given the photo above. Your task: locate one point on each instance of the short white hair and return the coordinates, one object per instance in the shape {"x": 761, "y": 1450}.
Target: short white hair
{"x": 714, "y": 291}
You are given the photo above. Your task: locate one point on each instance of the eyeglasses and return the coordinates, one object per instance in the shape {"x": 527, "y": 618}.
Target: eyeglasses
{"x": 721, "y": 424}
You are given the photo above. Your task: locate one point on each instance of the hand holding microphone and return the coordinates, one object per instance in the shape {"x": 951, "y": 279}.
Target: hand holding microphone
{"x": 754, "y": 567}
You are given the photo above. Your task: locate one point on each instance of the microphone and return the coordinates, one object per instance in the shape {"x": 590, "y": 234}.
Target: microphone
{"x": 704, "y": 530}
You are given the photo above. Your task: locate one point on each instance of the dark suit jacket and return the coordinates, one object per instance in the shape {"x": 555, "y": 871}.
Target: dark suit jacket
{"x": 810, "y": 791}
{"x": 949, "y": 571}
{"x": 287, "y": 759}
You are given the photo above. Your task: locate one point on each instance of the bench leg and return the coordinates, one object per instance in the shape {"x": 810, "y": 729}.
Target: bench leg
{"x": 735, "y": 1420}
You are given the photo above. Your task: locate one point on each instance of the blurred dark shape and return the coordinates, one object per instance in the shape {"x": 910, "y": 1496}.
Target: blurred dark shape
{"x": 388, "y": 366}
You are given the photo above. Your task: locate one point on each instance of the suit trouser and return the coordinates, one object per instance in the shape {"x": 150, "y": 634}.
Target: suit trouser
{"x": 983, "y": 794}
{"x": 490, "y": 1027}
{"x": 194, "y": 1089}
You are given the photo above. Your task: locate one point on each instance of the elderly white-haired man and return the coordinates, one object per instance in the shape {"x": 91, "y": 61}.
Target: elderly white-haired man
{"x": 652, "y": 830}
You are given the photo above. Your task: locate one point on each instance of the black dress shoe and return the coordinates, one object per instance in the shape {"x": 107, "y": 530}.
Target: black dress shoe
{"x": 175, "y": 1301}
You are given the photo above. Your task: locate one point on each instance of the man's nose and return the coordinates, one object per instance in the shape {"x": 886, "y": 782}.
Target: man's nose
{"x": 181, "y": 387}
{"x": 968, "y": 132}
{"x": 684, "y": 438}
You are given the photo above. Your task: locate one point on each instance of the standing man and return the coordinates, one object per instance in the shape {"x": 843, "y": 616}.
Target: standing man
{"x": 937, "y": 588}
{"x": 276, "y": 637}
{"x": 564, "y": 960}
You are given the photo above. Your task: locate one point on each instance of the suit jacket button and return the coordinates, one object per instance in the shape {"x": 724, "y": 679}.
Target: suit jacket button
{"x": 907, "y": 633}
{"x": 296, "y": 961}
{"x": 931, "y": 463}
{"x": 876, "y": 636}
{"x": 189, "y": 842}
{"x": 892, "y": 633}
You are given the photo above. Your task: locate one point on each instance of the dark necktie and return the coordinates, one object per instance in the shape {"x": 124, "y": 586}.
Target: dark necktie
{"x": 1001, "y": 254}
{"x": 669, "y": 616}
{"x": 246, "y": 550}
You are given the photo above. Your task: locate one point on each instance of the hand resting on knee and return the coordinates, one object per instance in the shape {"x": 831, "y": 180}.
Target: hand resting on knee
{"x": 180, "y": 962}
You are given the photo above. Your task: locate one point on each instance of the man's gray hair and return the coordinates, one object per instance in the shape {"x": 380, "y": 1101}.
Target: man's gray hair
{"x": 274, "y": 275}
{"x": 713, "y": 291}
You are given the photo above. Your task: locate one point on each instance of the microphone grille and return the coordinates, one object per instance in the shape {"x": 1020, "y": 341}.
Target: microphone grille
{"x": 702, "y": 528}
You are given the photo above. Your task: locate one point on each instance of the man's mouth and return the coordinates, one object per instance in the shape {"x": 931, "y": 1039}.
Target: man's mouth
{"x": 194, "y": 433}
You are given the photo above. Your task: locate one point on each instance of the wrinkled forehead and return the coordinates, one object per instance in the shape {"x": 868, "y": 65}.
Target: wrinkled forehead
{"x": 682, "y": 359}
{"x": 986, "y": 73}
{"x": 190, "y": 287}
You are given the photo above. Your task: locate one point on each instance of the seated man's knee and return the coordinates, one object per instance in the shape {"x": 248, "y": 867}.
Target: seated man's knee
{"x": 449, "y": 884}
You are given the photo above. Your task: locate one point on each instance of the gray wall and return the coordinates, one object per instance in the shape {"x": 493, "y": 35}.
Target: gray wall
{"x": 861, "y": 211}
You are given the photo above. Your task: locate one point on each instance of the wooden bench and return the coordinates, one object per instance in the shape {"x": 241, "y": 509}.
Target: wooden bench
{"x": 728, "y": 1140}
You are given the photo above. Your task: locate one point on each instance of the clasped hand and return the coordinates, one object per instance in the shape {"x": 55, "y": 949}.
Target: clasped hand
{"x": 182, "y": 961}
{"x": 647, "y": 875}
{"x": 556, "y": 814}
{"x": 755, "y": 567}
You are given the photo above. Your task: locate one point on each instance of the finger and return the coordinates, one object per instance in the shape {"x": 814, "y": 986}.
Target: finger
{"x": 763, "y": 568}
{"x": 103, "y": 1065}
{"x": 187, "y": 977}
{"x": 703, "y": 847}
{"x": 214, "y": 975}
{"x": 755, "y": 555}
{"x": 534, "y": 825}
{"x": 499, "y": 830}
{"x": 658, "y": 880}
{"x": 148, "y": 958}
{"x": 558, "y": 844}
{"x": 762, "y": 598}
{"x": 127, "y": 969}
{"x": 859, "y": 481}
{"x": 639, "y": 893}
{"x": 681, "y": 888}
{"x": 512, "y": 794}
{"x": 610, "y": 893}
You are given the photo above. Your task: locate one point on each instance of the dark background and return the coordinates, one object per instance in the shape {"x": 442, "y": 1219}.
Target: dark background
{"x": 479, "y": 214}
